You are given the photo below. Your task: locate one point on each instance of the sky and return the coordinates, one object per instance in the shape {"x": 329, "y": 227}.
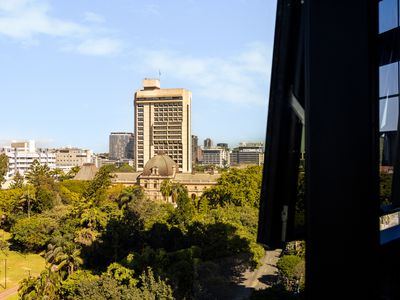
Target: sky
{"x": 69, "y": 69}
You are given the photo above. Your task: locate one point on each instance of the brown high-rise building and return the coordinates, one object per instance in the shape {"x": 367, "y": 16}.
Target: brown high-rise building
{"x": 163, "y": 124}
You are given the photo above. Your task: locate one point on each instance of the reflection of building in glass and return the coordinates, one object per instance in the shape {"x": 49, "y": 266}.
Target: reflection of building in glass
{"x": 121, "y": 145}
{"x": 388, "y": 79}
{"x": 163, "y": 124}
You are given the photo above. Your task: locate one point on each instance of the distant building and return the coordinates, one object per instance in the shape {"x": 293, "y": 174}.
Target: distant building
{"x": 247, "y": 153}
{"x": 223, "y": 145}
{"x": 216, "y": 156}
{"x": 121, "y": 145}
{"x": 163, "y": 124}
{"x": 22, "y": 154}
{"x": 208, "y": 143}
{"x": 67, "y": 158}
{"x": 195, "y": 146}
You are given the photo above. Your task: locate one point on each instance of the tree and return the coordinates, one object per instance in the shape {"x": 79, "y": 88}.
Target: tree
{"x": 177, "y": 189}
{"x": 46, "y": 190}
{"x": 291, "y": 270}
{"x": 97, "y": 187}
{"x": 18, "y": 181}
{"x": 166, "y": 189}
{"x": 32, "y": 234}
{"x": 28, "y": 199}
{"x": 125, "y": 168}
{"x": 129, "y": 194}
{"x": 240, "y": 187}
{"x": 3, "y": 167}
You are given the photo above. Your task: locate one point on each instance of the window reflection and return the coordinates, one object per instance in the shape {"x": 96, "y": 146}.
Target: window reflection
{"x": 388, "y": 15}
{"x": 388, "y": 80}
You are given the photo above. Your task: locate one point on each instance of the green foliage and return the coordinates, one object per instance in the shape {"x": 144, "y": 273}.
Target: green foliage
{"x": 18, "y": 181}
{"x": 46, "y": 286}
{"x": 122, "y": 275}
{"x": 125, "y": 168}
{"x": 97, "y": 187}
{"x": 185, "y": 210}
{"x": 385, "y": 194}
{"x": 84, "y": 285}
{"x": 128, "y": 195}
{"x": 46, "y": 190}
{"x": 291, "y": 270}
{"x": 154, "y": 288}
{"x": 240, "y": 187}
{"x": 3, "y": 166}
{"x": 10, "y": 201}
{"x": 69, "y": 285}
{"x": 75, "y": 186}
{"x": 32, "y": 234}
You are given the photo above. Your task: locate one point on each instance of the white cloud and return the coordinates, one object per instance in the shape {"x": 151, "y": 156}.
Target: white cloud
{"x": 242, "y": 78}
{"x": 93, "y": 17}
{"x": 102, "y": 46}
{"x": 26, "y": 20}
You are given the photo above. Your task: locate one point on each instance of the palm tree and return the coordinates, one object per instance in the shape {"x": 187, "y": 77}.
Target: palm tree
{"x": 166, "y": 189}
{"x": 63, "y": 258}
{"x": 69, "y": 259}
{"x": 177, "y": 189}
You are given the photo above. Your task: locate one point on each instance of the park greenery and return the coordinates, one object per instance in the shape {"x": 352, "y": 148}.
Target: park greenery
{"x": 104, "y": 241}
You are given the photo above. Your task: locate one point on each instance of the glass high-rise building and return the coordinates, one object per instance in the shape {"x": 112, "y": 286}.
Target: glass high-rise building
{"x": 121, "y": 145}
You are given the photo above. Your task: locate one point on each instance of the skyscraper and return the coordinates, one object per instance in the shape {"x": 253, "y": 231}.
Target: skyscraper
{"x": 163, "y": 124}
{"x": 208, "y": 143}
{"x": 195, "y": 146}
{"x": 121, "y": 145}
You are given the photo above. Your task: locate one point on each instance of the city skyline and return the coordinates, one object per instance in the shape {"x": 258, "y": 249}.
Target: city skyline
{"x": 72, "y": 69}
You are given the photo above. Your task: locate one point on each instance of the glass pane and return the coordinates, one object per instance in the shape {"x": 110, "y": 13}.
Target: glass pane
{"x": 389, "y": 80}
{"x": 388, "y": 15}
{"x": 388, "y": 114}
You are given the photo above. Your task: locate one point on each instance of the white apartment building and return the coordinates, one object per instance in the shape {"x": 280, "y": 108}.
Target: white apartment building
{"x": 163, "y": 125}
{"x": 22, "y": 154}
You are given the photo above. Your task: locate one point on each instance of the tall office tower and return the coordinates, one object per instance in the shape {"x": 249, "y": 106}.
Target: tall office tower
{"x": 195, "y": 146}
{"x": 121, "y": 145}
{"x": 208, "y": 143}
{"x": 163, "y": 124}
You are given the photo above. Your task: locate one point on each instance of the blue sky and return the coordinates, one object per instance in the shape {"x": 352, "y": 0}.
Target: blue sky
{"x": 69, "y": 69}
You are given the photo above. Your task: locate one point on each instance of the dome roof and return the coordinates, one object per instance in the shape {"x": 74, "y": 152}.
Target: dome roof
{"x": 164, "y": 165}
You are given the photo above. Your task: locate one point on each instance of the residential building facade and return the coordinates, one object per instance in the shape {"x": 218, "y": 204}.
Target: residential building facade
{"x": 22, "y": 154}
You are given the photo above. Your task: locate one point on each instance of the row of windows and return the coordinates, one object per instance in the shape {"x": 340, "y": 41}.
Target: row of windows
{"x": 167, "y": 119}
{"x": 159, "y": 98}
{"x": 167, "y": 114}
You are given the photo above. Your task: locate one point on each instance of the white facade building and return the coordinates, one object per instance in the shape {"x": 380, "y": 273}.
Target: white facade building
{"x": 216, "y": 156}
{"x": 67, "y": 158}
{"x": 22, "y": 154}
